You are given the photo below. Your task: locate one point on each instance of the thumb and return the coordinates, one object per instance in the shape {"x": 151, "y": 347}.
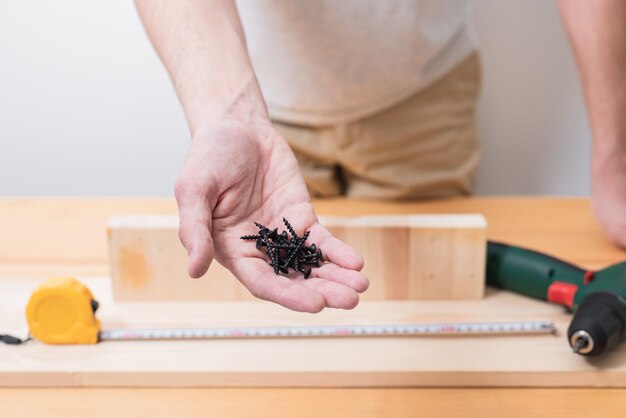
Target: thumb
{"x": 195, "y": 229}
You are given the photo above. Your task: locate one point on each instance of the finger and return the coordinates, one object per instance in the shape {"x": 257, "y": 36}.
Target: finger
{"x": 194, "y": 230}
{"x": 351, "y": 278}
{"x": 257, "y": 276}
{"x": 335, "y": 250}
{"x": 335, "y": 294}
{"x": 196, "y": 238}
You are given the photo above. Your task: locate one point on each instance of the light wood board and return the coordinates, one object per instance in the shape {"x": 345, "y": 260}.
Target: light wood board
{"x": 352, "y": 362}
{"x": 418, "y": 256}
{"x": 406, "y": 257}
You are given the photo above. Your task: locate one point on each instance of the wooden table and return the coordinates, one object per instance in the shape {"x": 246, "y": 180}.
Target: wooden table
{"x": 43, "y": 237}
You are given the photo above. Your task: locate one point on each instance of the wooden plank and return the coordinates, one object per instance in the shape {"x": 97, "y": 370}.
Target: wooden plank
{"x": 521, "y": 361}
{"x": 406, "y": 257}
{"x": 313, "y": 403}
{"x": 418, "y": 256}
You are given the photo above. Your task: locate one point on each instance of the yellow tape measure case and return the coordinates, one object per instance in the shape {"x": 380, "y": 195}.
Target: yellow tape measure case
{"x": 62, "y": 311}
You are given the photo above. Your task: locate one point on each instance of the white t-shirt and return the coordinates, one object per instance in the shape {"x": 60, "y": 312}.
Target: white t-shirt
{"x": 325, "y": 62}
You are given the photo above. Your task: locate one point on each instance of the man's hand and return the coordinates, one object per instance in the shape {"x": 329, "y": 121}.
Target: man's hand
{"x": 239, "y": 170}
{"x": 238, "y": 173}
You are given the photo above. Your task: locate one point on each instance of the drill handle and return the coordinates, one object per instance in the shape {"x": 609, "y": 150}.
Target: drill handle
{"x": 528, "y": 272}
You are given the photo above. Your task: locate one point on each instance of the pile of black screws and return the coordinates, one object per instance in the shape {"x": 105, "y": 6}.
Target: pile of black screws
{"x": 286, "y": 251}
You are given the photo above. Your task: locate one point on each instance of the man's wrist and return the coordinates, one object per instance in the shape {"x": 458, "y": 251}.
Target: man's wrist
{"x": 608, "y": 159}
{"x": 246, "y": 106}
{"x": 609, "y": 146}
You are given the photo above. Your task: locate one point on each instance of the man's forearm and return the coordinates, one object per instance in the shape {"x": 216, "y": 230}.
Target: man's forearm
{"x": 597, "y": 32}
{"x": 203, "y": 47}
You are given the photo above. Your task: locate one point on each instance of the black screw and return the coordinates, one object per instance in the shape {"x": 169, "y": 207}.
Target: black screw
{"x": 290, "y": 229}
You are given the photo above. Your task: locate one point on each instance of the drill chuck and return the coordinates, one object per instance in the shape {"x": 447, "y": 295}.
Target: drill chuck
{"x": 582, "y": 342}
{"x": 598, "y": 324}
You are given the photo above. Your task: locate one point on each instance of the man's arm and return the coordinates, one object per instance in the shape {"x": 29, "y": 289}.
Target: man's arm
{"x": 239, "y": 169}
{"x": 202, "y": 45}
{"x": 597, "y": 33}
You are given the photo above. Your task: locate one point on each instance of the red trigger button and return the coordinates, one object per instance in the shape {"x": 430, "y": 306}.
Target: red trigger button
{"x": 562, "y": 293}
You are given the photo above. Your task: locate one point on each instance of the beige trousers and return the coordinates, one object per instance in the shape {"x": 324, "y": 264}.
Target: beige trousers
{"x": 426, "y": 146}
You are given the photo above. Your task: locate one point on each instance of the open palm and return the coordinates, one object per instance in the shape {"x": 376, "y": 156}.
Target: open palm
{"x": 237, "y": 174}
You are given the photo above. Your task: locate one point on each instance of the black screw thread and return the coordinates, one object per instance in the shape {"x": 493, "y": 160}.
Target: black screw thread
{"x": 273, "y": 253}
{"x": 290, "y": 229}
{"x": 260, "y": 226}
{"x": 294, "y": 252}
{"x": 250, "y": 237}
{"x": 282, "y": 246}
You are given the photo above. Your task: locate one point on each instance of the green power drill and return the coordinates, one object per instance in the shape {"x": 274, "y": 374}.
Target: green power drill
{"x": 595, "y": 297}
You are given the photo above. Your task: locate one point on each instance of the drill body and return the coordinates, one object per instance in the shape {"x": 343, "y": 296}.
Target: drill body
{"x": 596, "y": 297}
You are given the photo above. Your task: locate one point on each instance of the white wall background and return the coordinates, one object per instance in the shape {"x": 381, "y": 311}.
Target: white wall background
{"x": 87, "y": 109}
{"x": 532, "y": 117}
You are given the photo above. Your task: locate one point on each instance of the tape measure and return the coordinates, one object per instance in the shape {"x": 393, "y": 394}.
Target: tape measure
{"x": 62, "y": 311}
{"x": 478, "y": 328}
